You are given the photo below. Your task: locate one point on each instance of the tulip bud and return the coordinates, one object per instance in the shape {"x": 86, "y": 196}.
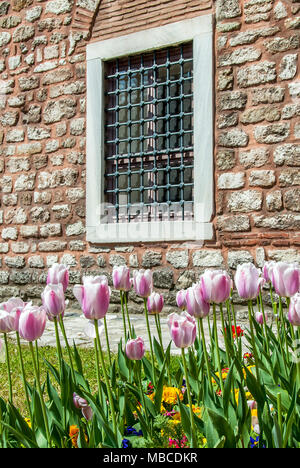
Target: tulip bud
{"x": 294, "y": 310}
{"x": 182, "y": 329}
{"x": 53, "y": 299}
{"x": 285, "y": 278}
{"x": 82, "y": 404}
{"x": 216, "y": 286}
{"x": 58, "y": 274}
{"x": 259, "y": 318}
{"x": 195, "y": 303}
{"x": 135, "y": 349}
{"x": 93, "y": 296}
{"x": 267, "y": 271}
{"x": 181, "y": 299}
{"x": 32, "y": 323}
{"x": 143, "y": 282}
{"x": 121, "y": 278}
{"x": 155, "y": 303}
{"x": 6, "y": 322}
{"x": 248, "y": 281}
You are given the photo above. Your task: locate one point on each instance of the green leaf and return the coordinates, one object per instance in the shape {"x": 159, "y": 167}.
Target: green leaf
{"x": 218, "y": 427}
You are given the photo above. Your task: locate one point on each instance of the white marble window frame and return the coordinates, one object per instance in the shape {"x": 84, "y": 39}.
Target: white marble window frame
{"x": 200, "y": 31}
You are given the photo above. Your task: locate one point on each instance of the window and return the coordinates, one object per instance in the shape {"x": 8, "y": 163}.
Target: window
{"x": 149, "y": 135}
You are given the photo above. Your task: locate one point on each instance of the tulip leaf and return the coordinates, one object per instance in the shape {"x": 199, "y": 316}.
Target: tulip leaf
{"x": 218, "y": 427}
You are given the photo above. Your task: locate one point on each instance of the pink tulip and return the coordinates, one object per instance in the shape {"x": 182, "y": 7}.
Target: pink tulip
{"x": 196, "y": 305}
{"x": 6, "y": 322}
{"x": 267, "y": 271}
{"x": 14, "y": 307}
{"x": 143, "y": 282}
{"x": 259, "y": 318}
{"x": 93, "y": 296}
{"x": 53, "y": 299}
{"x": 248, "y": 281}
{"x": 135, "y": 349}
{"x": 82, "y": 404}
{"x": 294, "y": 310}
{"x": 155, "y": 303}
{"x": 121, "y": 278}
{"x": 32, "y": 322}
{"x": 181, "y": 299}
{"x": 182, "y": 329}
{"x": 58, "y": 274}
{"x": 216, "y": 285}
{"x": 285, "y": 278}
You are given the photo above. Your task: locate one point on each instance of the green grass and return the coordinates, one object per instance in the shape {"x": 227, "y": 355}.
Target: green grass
{"x": 88, "y": 363}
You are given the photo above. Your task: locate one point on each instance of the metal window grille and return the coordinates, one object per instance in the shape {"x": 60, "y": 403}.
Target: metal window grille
{"x": 149, "y": 136}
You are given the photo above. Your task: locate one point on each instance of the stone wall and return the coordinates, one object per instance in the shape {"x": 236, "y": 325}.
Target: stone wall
{"x": 42, "y": 139}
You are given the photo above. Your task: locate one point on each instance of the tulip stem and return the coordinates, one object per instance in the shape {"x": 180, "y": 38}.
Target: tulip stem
{"x": 98, "y": 374}
{"x": 107, "y": 341}
{"x": 24, "y": 377}
{"x": 138, "y": 366}
{"x": 217, "y": 349}
{"x": 283, "y": 327}
{"x": 123, "y": 316}
{"x": 40, "y": 394}
{"x": 37, "y": 356}
{"x": 63, "y": 330}
{"x": 200, "y": 323}
{"x": 265, "y": 322}
{"x": 127, "y": 314}
{"x": 194, "y": 438}
{"x": 58, "y": 346}
{"x": 150, "y": 340}
{"x": 110, "y": 397}
{"x": 225, "y": 335}
{"x": 8, "y": 367}
{"x": 253, "y": 341}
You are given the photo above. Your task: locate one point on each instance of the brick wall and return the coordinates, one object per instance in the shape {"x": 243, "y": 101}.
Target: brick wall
{"x": 42, "y": 139}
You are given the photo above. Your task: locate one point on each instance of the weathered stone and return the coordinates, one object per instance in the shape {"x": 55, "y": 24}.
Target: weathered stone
{"x": 291, "y": 199}
{"x": 262, "y": 178}
{"x": 231, "y": 180}
{"x": 117, "y": 260}
{"x": 9, "y": 233}
{"x": 7, "y": 87}
{"x": 20, "y": 247}
{"x": 207, "y": 258}
{"x": 291, "y": 110}
{"x": 288, "y": 67}
{"x": 23, "y": 33}
{"x": 58, "y": 6}
{"x": 15, "y": 135}
{"x": 28, "y": 83}
{"x": 233, "y": 223}
{"x": 256, "y": 115}
{"x": 233, "y": 138}
{"x": 86, "y": 261}
{"x": 227, "y": 120}
{"x": 14, "y": 62}
{"x": 16, "y": 101}
{"x": 274, "y": 200}
{"x": 4, "y": 247}
{"x": 273, "y": 133}
{"x": 288, "y": 154}
{"x": 18, "y": 164}
{"x": 15, "y": 216}
{"x": 250, "y": 36}
{"x": 243, "y": 201}
{"x": 178, "y": 258}
{"x": 14, "y": 262}
{"x": 256, "y": 157}
{"x": 267, "y": 95}
{"x": 163, "y": 278}
{"x": 5, "y": 38}
{"x": 36, "y": 261}
{"x": 225, "y": 79}
{"x": 52, "y": 246}
{"x": 292, "y": 23}
{"x": 9, "y": 119}
{"x": 294, "y": 89}
{"x": 39, "y": 214}
{"x": 29, "y": 231}
{"x": 236, "y": 258}
{"x": 101, "y": 262}
{"x": 75, "y": 229}
{"x": 6, "y": 184}
{"x": 280, "y": 11}
{"x": 61, "y": 211}
{"x": 227, "y": 9}
{"x": 264, "y": 72}
{"x": 46, "y": 66}
{"x": 151, "y": 258}
{"x": 4, "y": 6}
{"x": 282, "y": 44}
{"x": 25, "y": 182}
{"x": 33, "y": 14}
{"x": 10, "y": 200}
{"x": 32, "y": 114}
{"x": 286, "y": 255}
{"x": 225, "y": 160}
{"x": 38, "y": 133}
{"x": 57, "y": 110}
{"x": 77, "y": 126}
{"x": 278, "y": 222}
{"x": 232, "y": 100}
{"x": 239, "y": 56}
{"x": 57, "y": 76}
{"x": 77, "y": 245}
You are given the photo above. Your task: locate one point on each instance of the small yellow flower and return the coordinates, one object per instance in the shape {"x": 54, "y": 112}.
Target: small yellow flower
{"x": 27, "y": 420}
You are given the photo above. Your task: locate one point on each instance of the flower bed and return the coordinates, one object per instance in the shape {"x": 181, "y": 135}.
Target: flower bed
{"x": 218, "y": 397}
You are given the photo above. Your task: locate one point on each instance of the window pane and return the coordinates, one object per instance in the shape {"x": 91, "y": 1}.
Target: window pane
{"x": 149, "y": 135}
